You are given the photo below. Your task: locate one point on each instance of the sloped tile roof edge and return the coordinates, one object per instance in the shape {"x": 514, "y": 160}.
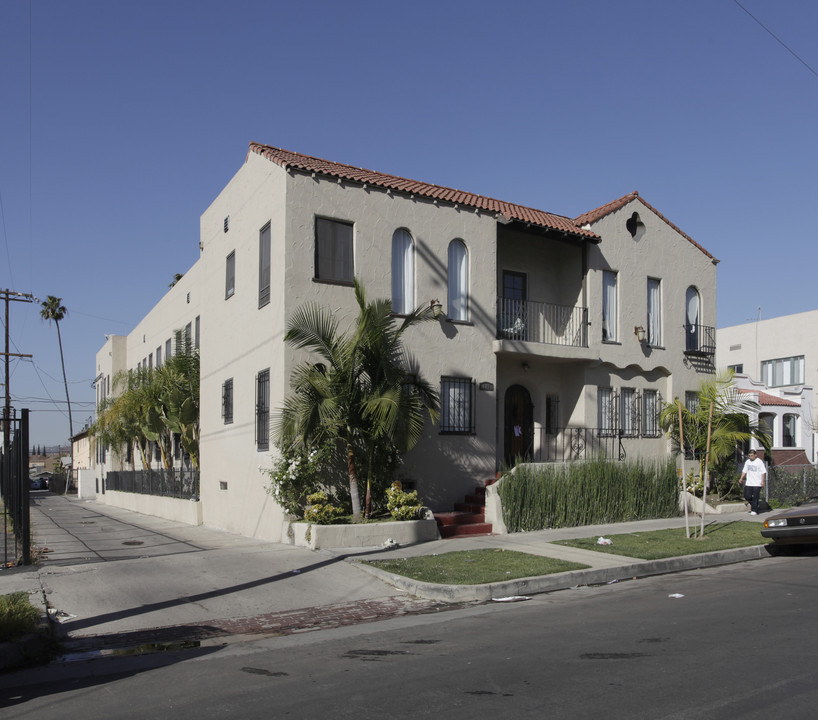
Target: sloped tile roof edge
{"x": 768, "y": 399}
{"x": 296, "y": 161}
{"x": 600, "y": 212}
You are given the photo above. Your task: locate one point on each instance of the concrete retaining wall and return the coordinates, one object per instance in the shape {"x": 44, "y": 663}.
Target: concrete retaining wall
{"x": 406, "y": 532}
{"x": 186, "y": 511}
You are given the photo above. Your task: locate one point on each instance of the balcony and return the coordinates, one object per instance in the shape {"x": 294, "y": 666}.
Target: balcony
{"x": 700, "y": 340}
{"x": 545, "y": 323}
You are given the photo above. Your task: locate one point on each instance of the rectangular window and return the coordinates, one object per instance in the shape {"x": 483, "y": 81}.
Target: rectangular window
{"x": 150, "y": 361}
{"x": 159, "y": 356}
{"x": 654, "y": 329}
{"x": 609, "y": 309}
{"x": 227, "y": 401}
{"x": 783, "y": 371}
{"x": 606, "y": 415}
{"x": 333, "y": 251}
{"x": 692, "y": 401}
{"x": 264, "y": 260}
{"x": 629, "y": 412}
{"x": 188, "y": 339}
{"x": 788, "y": 428}
{"x": 650, "y": 413}
{"x": 196, "y": 331}
{"x": 457, "y": 405}
{"x": 263, "y": 410}
{"x": 230, "y": 275}
{"x": 738, "y": 369}
{"x": 168, "y": 350}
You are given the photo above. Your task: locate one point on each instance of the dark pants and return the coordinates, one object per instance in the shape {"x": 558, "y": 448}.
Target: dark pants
{"x": 752, "y": 495}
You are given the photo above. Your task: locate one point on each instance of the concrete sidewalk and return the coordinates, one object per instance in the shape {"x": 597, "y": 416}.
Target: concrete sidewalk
{"x": 113, "y": 578}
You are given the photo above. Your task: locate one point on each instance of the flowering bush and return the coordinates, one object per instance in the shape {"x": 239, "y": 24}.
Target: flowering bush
{"x": 402, "y": 505}
{"x": 299, "y": 472}
{"x": 320, "y": 511}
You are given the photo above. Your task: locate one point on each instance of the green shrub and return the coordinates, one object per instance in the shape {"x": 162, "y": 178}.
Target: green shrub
{"x": 402, "y": 505}
{"x": 320, "y": 511}
{"x": 588, "y": 493}
{"x": 17, "y": 616}
{"x": 300, "y": 471}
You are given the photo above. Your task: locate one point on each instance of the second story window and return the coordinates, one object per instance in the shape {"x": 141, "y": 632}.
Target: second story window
{"x": 609, "y": 309}
{"x": 227, "y": 401}
{"x": 783, "y": 371}
{"x": 654, "y": 334}
{"x": 458, "y": 276}
{"x": 403, "y": 272}
{"x": 692, "y": 322}
{"x": 264, "y": 266}
{"x": 333, "y": 251}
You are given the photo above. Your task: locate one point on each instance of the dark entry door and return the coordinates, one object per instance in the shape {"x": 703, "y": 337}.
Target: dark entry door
{"x": 519, "y": 425}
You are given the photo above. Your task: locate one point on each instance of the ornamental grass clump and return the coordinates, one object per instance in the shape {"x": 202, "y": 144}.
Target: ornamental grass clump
{"x": 588, "y": 493}
{"x": 17, "y": 616}
{"x": 402, "y": 505}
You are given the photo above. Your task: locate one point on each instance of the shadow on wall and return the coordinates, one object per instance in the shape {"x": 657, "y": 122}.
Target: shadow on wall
{"x": 451, "y": 468}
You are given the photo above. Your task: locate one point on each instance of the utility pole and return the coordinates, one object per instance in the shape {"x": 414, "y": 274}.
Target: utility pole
{"x": 8, "y": 296}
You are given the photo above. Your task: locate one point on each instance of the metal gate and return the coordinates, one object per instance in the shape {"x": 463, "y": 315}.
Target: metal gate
{"x": 14, "y": 491}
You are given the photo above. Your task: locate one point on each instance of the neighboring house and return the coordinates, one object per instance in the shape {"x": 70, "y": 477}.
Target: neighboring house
{"x": 780, "y": 356}
{"x": 557, "y": 337}
{"x": 785, "y": 415}
{"x": 81, "y": 450}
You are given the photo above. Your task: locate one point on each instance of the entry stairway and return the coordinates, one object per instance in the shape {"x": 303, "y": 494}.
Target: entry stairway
{"x": 468, "y": 518}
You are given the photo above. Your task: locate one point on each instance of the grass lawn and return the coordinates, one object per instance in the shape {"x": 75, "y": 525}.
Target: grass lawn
{"x": 659, "y": 544}
{"x": 475, "y": 567}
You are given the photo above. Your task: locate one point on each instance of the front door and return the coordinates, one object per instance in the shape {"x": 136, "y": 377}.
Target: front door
{"x": 519, "y": 425}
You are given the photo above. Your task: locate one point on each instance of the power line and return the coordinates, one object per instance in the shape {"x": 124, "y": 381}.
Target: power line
{"x": 779, "y": 40}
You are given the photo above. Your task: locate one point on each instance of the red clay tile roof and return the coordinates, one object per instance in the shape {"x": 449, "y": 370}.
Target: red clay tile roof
{"x": 594, "y": 215}
{"x": 295, "y": 161}
{"x": 767, "y": 399}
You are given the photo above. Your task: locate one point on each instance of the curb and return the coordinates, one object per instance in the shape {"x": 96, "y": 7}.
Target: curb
{"x": 565, "y": 580}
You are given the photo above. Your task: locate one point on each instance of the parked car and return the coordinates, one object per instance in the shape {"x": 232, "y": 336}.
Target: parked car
{"x": 38, "y": 484}
{"x": 798, "y": 525}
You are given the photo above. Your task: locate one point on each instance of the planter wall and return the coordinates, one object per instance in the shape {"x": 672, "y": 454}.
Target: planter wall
{"x": 406, "y": 532}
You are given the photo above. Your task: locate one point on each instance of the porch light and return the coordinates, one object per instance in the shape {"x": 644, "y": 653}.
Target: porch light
{"x": 437, "y": 308}
{"x": 639, "y": 331}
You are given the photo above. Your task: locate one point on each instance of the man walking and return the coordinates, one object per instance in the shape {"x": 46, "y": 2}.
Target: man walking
{"x": 755, "y": 474}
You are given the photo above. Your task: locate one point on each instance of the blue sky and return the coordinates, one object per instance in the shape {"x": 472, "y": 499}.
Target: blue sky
{"x": 122, "y": 121}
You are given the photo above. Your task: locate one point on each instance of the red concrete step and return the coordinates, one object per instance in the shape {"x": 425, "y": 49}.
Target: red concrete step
{"x": 474, "y": 508}
{"x": 454, "y": 531}
{"x": 458, "y": 517}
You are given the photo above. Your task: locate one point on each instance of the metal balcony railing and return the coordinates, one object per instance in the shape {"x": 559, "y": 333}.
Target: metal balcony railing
{"x": 700, "y": 339}
{"x": 540, "y": 322}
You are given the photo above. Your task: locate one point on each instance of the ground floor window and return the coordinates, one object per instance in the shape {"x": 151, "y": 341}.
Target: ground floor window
{"x": 457, "y": 405}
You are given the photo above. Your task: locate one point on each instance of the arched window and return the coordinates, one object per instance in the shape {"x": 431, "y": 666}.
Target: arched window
{"x": 458, "y": 306}
{"x": 692, "y": 319}
{"x": 403, "y": 272}
{"x": 789, "y": 430}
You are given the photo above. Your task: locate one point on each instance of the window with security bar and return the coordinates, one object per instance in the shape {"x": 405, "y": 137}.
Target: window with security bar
{"x": 457, "y": 405}
{"x": 227, "y": 401}
{"x": 263, "y": 410}
{"x": 651, "y": 403}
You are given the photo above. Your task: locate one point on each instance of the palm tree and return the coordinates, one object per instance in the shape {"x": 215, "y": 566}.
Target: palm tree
{"x": 721, "y": 420}
{"x": 363, "y": 394}
{"x": 53, "y": 309}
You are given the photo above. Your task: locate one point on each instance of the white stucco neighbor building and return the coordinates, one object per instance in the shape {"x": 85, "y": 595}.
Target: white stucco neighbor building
{"x": 778, "y": 357}
{"x": 557, "y": 336}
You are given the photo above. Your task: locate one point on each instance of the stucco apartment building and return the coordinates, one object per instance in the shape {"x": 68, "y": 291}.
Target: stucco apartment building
{"x": 556, "y": 337}
{"x": 778, "y": 357}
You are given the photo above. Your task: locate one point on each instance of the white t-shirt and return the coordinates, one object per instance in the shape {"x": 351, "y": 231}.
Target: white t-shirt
{"x": 754, "y": 471}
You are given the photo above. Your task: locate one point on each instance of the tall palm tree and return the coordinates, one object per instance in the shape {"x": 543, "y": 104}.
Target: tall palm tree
{"x": 363, "y": 393}
{"x": 53, "y": 309}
